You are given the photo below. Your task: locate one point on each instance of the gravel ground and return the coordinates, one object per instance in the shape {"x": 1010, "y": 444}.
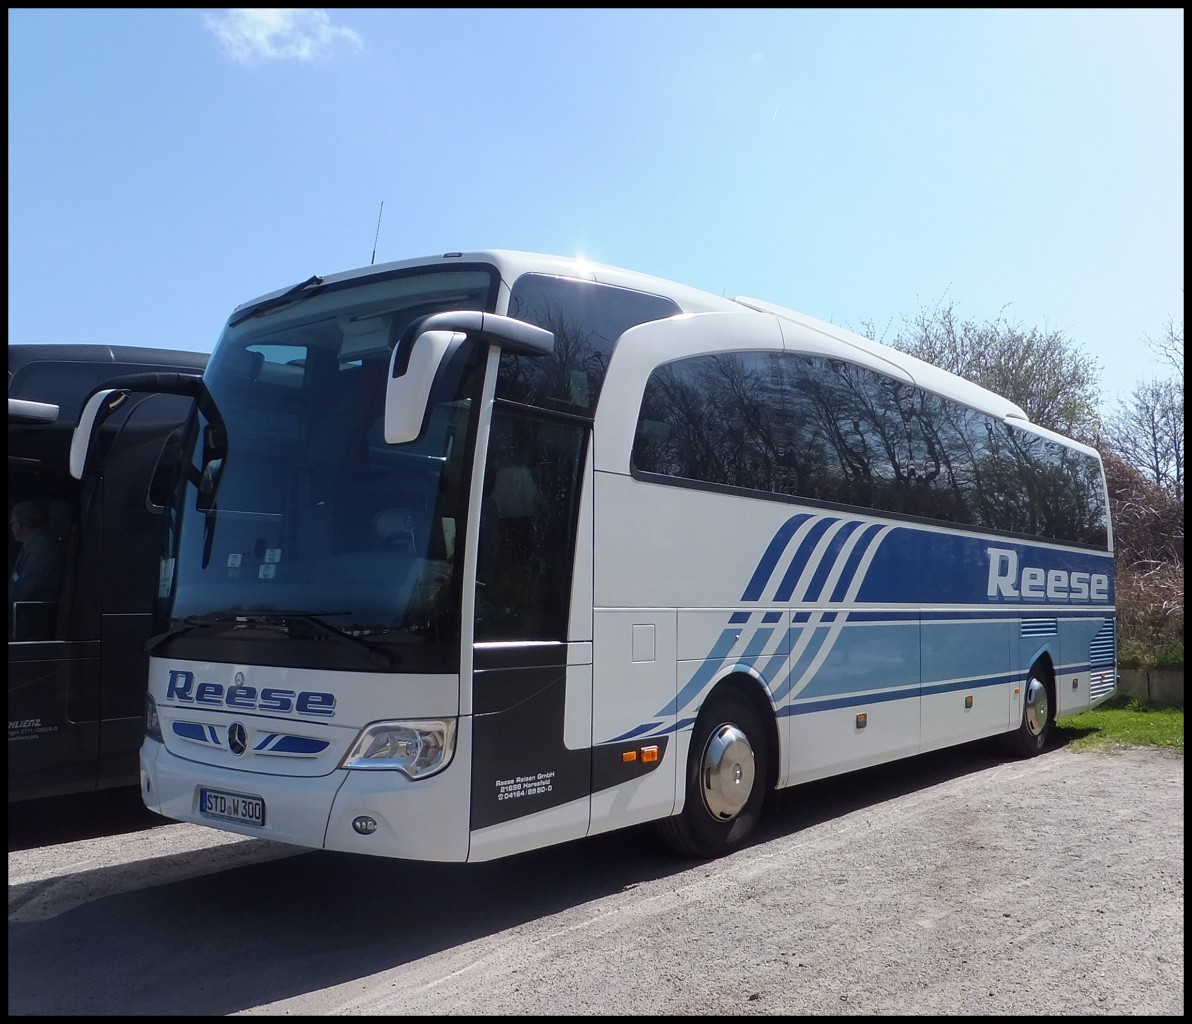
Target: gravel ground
{"x": 956, "y": 883}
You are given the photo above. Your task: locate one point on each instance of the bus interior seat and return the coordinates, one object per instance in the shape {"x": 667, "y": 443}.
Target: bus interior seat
{"x": 514, "y": 494}
{"x": 244, "y": 363}
{"x": 396, "y": 527}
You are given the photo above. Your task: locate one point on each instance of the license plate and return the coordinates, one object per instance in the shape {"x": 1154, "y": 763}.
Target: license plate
{"x": 244, "y": 810}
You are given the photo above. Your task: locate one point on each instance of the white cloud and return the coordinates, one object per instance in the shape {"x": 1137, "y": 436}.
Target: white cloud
{"x": 253, "y": 35}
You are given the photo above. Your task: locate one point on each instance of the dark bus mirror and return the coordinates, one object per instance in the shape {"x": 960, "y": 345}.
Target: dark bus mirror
{"x": 113, "y": 394}
{"x": 21, "y": 410}
{"x": 97, "y": 408}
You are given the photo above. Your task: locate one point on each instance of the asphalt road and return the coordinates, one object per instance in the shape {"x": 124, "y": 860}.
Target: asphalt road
{"x": 956, "y": 883}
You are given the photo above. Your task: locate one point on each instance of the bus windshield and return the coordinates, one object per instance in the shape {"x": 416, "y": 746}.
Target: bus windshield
{"x": 295, "y": 520}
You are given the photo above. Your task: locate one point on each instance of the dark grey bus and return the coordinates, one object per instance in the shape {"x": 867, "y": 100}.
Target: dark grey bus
{"x": 76, "y": 656}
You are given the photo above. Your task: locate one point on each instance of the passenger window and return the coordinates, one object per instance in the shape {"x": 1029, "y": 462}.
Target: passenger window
{"x": 527, "y": 527}
{"x": 42, "y": 551}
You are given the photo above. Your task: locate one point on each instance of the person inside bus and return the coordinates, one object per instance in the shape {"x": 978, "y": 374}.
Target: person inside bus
{"x": 37, "y": 573}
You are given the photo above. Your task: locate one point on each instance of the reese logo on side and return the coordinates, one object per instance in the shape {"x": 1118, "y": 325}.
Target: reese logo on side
{"x": 1034, "y": 583}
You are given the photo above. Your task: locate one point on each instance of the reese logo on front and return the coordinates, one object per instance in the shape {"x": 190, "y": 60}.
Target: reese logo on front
{"x": 184, "y": 688}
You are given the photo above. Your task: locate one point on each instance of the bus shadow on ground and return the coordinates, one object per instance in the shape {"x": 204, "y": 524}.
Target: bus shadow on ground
{"x": 812, "y": 803}
{"x": 51, "y": 821}
{"x": 257, "y": 934}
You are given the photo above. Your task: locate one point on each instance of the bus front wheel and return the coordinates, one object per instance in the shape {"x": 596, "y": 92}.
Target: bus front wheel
{"x": 725, "y": 784}
{"x": 1038, "y": 716}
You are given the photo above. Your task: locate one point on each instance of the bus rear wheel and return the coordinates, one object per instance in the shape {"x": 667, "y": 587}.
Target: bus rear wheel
{"x": 725, "y": 785}
{"x": 1038, "y": 716}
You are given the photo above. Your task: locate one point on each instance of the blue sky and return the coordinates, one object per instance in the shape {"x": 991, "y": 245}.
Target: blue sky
{"x": 857, "y": 165}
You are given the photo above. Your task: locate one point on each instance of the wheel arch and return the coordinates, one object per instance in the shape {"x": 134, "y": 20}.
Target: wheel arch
{"x": 753, "y": 688}
{"x": 1046, "y": 668}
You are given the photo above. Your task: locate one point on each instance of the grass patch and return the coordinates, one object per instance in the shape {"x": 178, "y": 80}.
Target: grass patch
{"x": 1123, "y": 722}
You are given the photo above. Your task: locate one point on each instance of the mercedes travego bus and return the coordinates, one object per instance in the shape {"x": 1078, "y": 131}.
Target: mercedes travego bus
{"x": 486, "y": 551}
{"x": 77, "y": 665}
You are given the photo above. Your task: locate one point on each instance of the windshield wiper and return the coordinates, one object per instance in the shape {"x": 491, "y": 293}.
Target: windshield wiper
{"x": 309, "y": 624}
{"x": 319, "y": 628}
{"x": 185, "y": 626}
{"x": 279, "y": 300}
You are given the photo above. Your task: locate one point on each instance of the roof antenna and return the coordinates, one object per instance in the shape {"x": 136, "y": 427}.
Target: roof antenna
{"x": 378, "y": 235}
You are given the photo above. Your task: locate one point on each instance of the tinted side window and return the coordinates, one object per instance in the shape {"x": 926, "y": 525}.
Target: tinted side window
{"x": 41, "y": 580}
{"x": 856, "y": 438}
{"x": 587, "y": 319}
{"x": 834, "y": 432}
{"x": 720, "y": 419}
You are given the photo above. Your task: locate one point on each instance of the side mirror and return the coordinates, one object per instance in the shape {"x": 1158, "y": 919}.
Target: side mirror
{"x": 407, "y": 392}
{"x": 98, "y": 407}
{"x": 422, "y": 348}
{"x": 21, "y": 410}
{"x": 113, "y": 394}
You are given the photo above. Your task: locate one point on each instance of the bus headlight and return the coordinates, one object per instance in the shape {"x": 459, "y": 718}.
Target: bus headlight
{"x": 417, "y": 749}
{"x": 152, "y": 722}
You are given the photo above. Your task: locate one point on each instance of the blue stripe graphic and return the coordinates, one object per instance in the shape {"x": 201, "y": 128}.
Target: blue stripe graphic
{"x": 801, "y": 557}
{"x": 854, "y": 560}
{"x": 828, "y": 562}
{"x": 761, "y": 575}
{"x": 837, "y": 563}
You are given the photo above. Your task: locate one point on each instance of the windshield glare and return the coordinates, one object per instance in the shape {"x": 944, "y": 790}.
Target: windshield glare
{"x": 293, "y": 504}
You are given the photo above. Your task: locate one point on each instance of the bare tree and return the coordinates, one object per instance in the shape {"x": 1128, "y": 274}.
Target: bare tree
{"x": 1170, "y": 347}
{"x": 1054, "y": 380}
{"x": 1148, "y": 432}
{"x": 1142, "y": 447}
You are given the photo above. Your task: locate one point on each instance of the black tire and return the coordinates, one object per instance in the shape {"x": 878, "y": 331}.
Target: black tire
{"x": 726, "y": 780}
{"x": 1038, "y": 715}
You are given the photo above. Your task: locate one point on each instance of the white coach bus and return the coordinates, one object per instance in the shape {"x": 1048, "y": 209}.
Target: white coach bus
{"x": 487, "y": 551}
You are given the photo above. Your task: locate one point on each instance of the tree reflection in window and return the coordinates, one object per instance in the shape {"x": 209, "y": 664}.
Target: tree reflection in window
{"x": 831, "y": 431}
{"x": 720, "y": 419}
{"x": 586, "y": 319}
